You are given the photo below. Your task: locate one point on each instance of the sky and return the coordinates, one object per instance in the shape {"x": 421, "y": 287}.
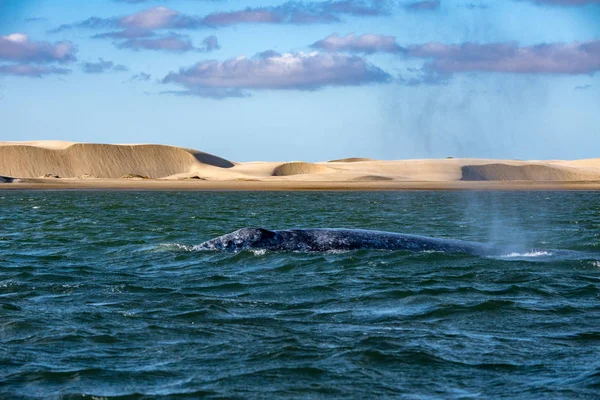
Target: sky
{"x": 280, "y": 80}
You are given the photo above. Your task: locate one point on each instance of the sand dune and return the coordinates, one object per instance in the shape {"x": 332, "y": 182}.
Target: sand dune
{"x": 71, "y": 160}
{"x": 149, "y": 166}
{"x": 299, "y": 168}
{"x": 503, "y": 172}
{"x": 352, "y": 159}
{"x": 371, "y": 178}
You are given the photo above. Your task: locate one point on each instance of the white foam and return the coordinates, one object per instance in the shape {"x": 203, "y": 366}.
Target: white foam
{"x": 177, "y": 246}
{"x": 260, "y": 252}
{"x": 539, "y": 253}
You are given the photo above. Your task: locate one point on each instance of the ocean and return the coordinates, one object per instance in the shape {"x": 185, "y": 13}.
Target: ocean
{"x": 103, "y": 295}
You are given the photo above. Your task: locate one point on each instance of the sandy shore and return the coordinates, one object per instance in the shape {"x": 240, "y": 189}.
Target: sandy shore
{"x": 171, "y": 185}
{"x": 60, "y": 165}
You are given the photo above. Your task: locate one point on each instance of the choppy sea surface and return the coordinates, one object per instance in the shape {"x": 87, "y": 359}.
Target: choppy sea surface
{"x": 103, "y": 295}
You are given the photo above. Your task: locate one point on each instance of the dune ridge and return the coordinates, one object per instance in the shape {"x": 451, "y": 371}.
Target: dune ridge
{"x": 534, "y": 172}
{"x": 38, "y": 163}
{"x": 102, "y": 160}
{"x": 372, "y": 178}
{"x": 299, "y": 168}
{"x": 351, "y": 160}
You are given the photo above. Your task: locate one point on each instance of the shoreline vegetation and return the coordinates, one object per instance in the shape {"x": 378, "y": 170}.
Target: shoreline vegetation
{"x": 58, "y": 165}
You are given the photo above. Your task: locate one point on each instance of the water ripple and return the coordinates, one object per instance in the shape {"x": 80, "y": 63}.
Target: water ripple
{"x": 104, "y": 295}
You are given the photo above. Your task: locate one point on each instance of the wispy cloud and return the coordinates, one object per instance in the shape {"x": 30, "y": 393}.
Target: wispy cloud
{"x": 172, "y": 43}
{"x": 443, "y": 60}
{"x": 32, "y": 71}
{"x": 583, "y": 87}
{"x": 299, "y": 13}
{"x": 130, "y": 1}
{"x": 556, "y": 58}
{"x": 565, "y": 2}
{"x": 367, "y": 43}
{"x": 271, "y": 70}
{"x": 158, "y": 18}
{"x": 142, "y": 77}
{"x": 426, "y": 5}
{"x": 102, "y": 66}
{"x": 18, "y": 47}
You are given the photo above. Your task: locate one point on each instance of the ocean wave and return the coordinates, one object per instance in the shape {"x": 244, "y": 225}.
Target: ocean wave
{"x": 535, "y": 253}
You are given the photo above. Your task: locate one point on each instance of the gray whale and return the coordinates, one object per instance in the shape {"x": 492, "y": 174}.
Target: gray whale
{"x": 313, "y": 240}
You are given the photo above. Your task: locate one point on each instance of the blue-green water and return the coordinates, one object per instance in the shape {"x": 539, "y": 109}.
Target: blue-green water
{"x": 101, "y": 294}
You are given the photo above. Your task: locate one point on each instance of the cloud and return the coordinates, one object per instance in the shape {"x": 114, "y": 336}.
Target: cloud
{"x": 31, "y": 71}
{"x": 171, "y": 42}
{"x": 299, "y": 13}
{"x": 367, "y": 43}
{"x": 565, "y": 2}
{"x": 210, "y": 43}
{"x": 292, "y": 12}
{"x": 35, "y": 19}
{"x": 211, "y": 93}
{"x": 19, "y": 48}
{"x": 147, "y": 20}
{"x": 102, "y": 66}
{"x": 583, "y": 87}
{"x": 125, "y": 34}
{"x": 158, "y": 18}
{"x": 426, "y": 5}
{"x": 142, "y": 77}
{"x": 445, "y": 59}
{"x": 271, "y": 70}
{"x": 557, "y": 58}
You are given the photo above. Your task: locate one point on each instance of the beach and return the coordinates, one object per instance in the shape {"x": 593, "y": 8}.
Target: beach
{"x": 60, "y": 165}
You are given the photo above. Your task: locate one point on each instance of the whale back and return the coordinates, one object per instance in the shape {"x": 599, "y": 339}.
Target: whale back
{"x": 314, "y": 240}
{"x": 242, "y": 239}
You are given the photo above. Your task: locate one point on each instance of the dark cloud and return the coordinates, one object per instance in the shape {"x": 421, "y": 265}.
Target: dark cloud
{"x": 102, "y": 66}
{"x": 426, "y": 5}
{"x": 271, "y": 70}
{"x": 31, "y": 71}
{"x": 367, "y": 43}
{"x": 17, "y": 47}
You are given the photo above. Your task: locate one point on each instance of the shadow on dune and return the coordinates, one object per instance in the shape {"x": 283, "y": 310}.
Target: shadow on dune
{"x": 210, "y": 159}
{"x": 504, "y": 172}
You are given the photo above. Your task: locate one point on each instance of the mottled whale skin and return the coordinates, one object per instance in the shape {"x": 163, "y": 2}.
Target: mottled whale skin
{"x": 317, "y": 240}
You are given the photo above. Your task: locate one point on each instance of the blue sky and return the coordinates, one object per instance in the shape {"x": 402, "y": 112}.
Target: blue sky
{"x": 277, "y": 80}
